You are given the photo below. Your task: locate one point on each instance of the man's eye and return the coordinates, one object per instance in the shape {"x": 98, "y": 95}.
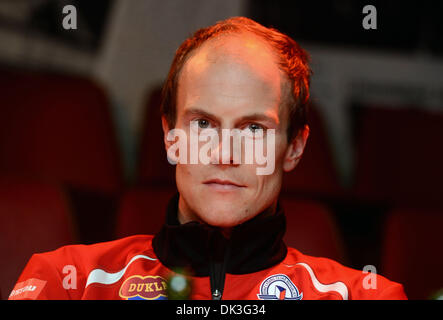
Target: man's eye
{"x": 202, "y": 123}
{"x": 255, "y": 127}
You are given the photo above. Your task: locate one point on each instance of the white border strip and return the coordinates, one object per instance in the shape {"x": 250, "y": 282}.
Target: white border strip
{"x": 338, "y": 286}
{"x": 103, "y": 277}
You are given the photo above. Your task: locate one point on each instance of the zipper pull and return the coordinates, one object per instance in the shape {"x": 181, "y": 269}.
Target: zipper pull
{"x": 216, "y": 295}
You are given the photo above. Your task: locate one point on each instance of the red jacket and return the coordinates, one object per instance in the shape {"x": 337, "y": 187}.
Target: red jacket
{"x": 253, "y": 264}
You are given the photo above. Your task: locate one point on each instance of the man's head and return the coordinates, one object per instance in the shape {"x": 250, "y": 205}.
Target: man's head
{"x": 236, "y": 74}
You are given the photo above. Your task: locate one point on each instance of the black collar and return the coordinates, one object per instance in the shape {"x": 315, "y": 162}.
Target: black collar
{"x": 254, "y": 245}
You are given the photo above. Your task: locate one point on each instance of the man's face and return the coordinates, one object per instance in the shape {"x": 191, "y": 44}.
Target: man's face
{"x": 231, "y": 83}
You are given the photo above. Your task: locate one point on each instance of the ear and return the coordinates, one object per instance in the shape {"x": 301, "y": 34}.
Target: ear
{"x": 166, "y": 129}
{"x": 295, "y": 149}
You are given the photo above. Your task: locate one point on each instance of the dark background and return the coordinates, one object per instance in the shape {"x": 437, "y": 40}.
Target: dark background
{"x": 77, "y": 139}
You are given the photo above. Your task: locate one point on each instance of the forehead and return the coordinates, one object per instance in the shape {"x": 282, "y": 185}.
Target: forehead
{"x": 244, "y": 49}
{"x": 237, "y": 69}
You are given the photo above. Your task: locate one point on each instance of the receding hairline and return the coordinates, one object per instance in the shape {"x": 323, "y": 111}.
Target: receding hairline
{"x": 293, "y": 60}
{"x": 217, "y": 45}
{"x": 286, "y": 97}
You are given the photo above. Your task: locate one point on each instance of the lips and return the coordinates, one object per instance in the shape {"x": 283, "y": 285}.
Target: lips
{"x": 226, "y": 183}
{"x": 223, "y": 186}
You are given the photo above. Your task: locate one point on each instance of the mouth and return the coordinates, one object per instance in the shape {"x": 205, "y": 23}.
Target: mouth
{"x": 223, "y": 185}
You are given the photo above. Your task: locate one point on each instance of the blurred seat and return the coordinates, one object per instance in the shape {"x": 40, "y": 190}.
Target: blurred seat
{"x": 34, "y": 217}
{"x": 399, "y": 156}
{"x": 60, "y": 127}
{"x": 316, "y": 173}
{"x": 311, "y": 229}
{"x": 412, "y": 253}
{"x": 142, "y": 211}
{"x": 153, "y": 168}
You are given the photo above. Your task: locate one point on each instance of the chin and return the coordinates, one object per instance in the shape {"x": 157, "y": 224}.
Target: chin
{"x": 224, "y": 217}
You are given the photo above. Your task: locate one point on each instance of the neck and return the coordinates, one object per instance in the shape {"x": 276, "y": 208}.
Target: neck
{"x": 185, "y": 215}
{"x": 192, "y": 245}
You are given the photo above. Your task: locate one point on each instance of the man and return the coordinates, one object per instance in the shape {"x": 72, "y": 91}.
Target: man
{"x": 225, "y": 226}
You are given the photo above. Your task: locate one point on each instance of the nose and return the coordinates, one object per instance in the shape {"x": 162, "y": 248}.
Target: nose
{"x": 227, "y": 151}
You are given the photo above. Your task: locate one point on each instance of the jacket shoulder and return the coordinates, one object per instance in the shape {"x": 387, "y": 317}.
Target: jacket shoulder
{"x": 327, "y": 274}
{"x": 85, "y": 254}
{"x": 51, "y": 269}
{"x": 97, "y": 250}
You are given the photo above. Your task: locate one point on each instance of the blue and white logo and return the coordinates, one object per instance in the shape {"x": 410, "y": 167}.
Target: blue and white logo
{"x": 279, "y": 287}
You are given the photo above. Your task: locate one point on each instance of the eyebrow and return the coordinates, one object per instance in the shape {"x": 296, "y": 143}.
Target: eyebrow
{"x": 250, "y": 117}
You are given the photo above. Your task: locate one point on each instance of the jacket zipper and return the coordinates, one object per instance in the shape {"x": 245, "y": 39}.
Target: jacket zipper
{"x": 218, "y": 262}
{"x": 217, "y": 279}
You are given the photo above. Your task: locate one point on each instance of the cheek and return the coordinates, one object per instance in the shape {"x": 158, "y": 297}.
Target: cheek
{"x": 266, "y": 186}
{"x": 187, "y": 171}
{"x": 273, "y": 181}
{"x": 183, "y": 175}
{"x": 268, "y": 183}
